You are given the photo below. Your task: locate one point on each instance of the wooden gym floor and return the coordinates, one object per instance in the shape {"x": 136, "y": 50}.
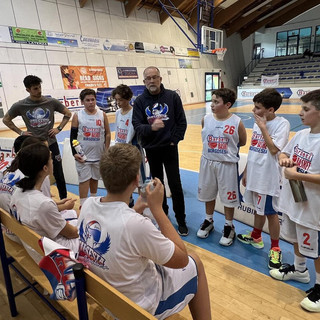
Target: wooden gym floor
{"x": 236, "y": 292}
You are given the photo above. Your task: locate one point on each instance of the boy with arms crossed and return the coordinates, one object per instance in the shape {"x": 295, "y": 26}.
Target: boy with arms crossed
{"x": 262, "y": 175}
{"x": 301, "y": 220}
{"x": 90, "y": 127}
{"x": 222, "y": 134}
{"x": 149, "y": 266}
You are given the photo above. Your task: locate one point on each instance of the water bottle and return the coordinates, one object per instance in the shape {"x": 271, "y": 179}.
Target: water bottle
{"x": 77, "y": 147}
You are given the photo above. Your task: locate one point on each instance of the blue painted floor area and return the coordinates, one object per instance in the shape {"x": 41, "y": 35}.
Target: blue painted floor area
{"x": 256, "y": 259}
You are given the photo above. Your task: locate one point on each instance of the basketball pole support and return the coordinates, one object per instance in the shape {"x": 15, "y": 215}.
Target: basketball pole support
{"x": 200, "y": 4}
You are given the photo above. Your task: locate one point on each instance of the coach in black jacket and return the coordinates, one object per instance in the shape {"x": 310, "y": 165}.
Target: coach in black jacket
{"x": 160, "y": 123}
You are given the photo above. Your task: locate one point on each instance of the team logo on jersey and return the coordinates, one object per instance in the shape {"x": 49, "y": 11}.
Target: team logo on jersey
{"x": 158, "y": 111}
{"x": 92, "y": 247}
{"x": 121, "y": 135}
{"x": 38, "y": 117}
{"x": 91, "y": 134}
{"x": 302, "y": 159}
{"x": 217, "y": 144}
{"x": 257, "y": 143}
{"x": 8, "y": 182}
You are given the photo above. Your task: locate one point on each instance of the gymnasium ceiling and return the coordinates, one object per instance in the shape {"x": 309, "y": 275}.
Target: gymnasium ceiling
{"x": 242, "y": 16}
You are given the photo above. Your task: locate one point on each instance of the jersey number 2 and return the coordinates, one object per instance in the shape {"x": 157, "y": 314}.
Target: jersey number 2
{"x": 306, "y": 240}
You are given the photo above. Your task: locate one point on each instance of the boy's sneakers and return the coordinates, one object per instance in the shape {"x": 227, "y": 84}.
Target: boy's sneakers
{"x": 247, "y": 239}
{"x": 312, "y": 301}
{"x": 205, "y": 229}
{"x": 288, "y": 272}
{"x": 183, "y": 230}
{"x": 275, "y": 258}
{"x": 228, "y": 236}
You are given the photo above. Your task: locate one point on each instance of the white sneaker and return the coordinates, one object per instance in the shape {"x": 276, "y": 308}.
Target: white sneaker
{"x": 288, "y": 272}
{"x": 228, "y": 235}
{"x": 312, "y": 301}
{"x": 205, "y": 228}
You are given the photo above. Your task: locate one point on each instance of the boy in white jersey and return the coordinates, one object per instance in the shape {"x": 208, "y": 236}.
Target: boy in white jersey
{"x": 149, "y": 266}
{"x": 262, "y": 175}
{"x": 222, "y": 135}
{"x": 124, "y": 130}
{"x": 301, "y": 220}
{"x": 90, "y": 127}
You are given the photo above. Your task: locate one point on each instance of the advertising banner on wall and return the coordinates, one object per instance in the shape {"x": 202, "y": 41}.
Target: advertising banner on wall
{"x": 60, "y": 39}
{"x": 127, "y": 73}
{"x": 105, "y": 101}
{"x": 270, "y": 81}
{"x": 151, "y": 48}
{"x": 185, "y": 63}
{"x": 29, "y": 36}
{"x": 116, "y": 45}
{"x": 81, "y": 77}
{"x": 193, "y": 52}
{"x": 90, "y": 43}
{"x": 286, "y": 92}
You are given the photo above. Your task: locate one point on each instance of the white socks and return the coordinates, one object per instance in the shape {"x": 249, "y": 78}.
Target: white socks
{"x": 300, "y": 263}
{"x": 209, "y": 217}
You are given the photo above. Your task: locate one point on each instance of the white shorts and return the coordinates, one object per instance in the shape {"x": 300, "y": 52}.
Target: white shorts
{"x": 88, "y": 170}
{"x": 217, "y": 176}
{"x": 263, "y": 203}
{"x": 307, "y": 239}
{"x": 178, "y": 288}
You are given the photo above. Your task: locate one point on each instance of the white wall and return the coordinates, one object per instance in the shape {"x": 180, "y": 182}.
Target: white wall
{"x": 103, "y": 18}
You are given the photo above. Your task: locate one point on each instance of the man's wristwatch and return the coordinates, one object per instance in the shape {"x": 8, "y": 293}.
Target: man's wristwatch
{"x": 59, "y": 128}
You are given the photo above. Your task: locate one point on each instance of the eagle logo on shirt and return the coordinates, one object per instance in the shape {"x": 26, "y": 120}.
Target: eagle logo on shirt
{"x": 92, "y": 247}
{"x": 38, "y": 117}
{"x": 158, "y": 111}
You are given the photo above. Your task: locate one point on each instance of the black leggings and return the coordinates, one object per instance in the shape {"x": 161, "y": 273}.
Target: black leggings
{"x": 58, "y": 171}
{"x": 169, "y": 158}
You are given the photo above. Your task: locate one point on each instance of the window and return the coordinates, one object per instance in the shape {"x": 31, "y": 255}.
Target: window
{"x": 317, "y": 40}
{"x": 294, "y": 41}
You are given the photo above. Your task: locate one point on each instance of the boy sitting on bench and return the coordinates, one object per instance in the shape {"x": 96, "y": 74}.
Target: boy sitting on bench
{"x": 149, "y": 266}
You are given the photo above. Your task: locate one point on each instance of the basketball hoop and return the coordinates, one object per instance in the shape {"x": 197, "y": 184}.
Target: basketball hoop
{"x": 220, "y": 52}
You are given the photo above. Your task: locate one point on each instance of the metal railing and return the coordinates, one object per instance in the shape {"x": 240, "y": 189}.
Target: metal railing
{"x": 253, "y": 63}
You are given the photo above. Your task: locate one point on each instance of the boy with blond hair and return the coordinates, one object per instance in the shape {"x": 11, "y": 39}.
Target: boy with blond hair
{"x": 262, "y": 175}
{"x": 149, "y": 266}
{"x": 222, "y": 135}
{"x": 301, "y": 220}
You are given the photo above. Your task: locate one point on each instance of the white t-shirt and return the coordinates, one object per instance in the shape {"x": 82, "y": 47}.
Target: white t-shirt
{"x": 124, "y": 131}
{"x": 220, "y": 139}
{"x": 122, "y": 247}
{"x": 304, "y": 149}
{"x": 40, "y": 213}
{"x": 263, "y": 170}
{"x": 91, "y": 134}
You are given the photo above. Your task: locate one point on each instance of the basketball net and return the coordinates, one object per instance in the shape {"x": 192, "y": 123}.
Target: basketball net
{"x": 220, "y": 52}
